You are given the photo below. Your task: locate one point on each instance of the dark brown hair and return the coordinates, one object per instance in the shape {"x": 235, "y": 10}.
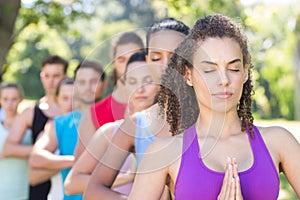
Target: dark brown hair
{"x": 179, "y": 99}
{"x": 56, "y": 60}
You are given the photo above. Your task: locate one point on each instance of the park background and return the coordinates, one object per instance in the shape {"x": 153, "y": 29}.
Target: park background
{"x": 78, "y": 29}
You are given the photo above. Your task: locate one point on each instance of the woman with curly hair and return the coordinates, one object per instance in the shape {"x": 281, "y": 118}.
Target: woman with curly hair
{"x": 137, "y": 132}
{"x": 220, "y": 153}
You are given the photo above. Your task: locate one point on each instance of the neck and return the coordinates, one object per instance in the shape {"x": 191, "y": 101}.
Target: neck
{"x": 218, "y": 124}
{"x": 50, "y": 99}
{"x": 118, "y": 93}
{"x": 83, "y": 106}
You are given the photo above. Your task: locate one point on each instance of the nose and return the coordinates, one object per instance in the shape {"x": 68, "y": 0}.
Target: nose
{"x": 224, "y": 78}
{"x": 166, "y": 58}
{"x": 141, "y": 88}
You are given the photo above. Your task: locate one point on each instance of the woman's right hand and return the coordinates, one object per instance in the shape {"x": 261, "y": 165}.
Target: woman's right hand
{"x": 231, "y": 188}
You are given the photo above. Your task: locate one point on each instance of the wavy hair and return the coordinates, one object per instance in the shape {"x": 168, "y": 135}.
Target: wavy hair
{"x": 177, "y": 98}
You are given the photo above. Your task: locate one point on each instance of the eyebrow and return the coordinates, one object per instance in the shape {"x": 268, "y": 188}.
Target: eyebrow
{"x": 212, "y": 63}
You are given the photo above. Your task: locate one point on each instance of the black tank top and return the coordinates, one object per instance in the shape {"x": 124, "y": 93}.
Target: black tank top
{"x": 40, "y": 191}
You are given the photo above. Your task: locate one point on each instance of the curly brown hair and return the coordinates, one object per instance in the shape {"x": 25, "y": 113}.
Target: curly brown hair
{"x": 177, "y": 98}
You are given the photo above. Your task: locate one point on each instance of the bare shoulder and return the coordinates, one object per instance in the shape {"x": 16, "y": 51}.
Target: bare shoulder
{"x": 275, "y": 133}
{"x": 162, "y": 153}
{"x": 106, "y": 130}
{"x": 26, "y": 115}
{"x": 277, "y": 137}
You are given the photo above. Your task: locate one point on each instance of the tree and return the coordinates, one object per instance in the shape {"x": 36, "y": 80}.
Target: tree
{"x": 9, "y": 12}
{"x": 17, "y": 16}
{"x": 297, "y": 67}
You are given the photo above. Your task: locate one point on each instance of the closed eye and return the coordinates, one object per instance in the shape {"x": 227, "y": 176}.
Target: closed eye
{"x": 208, "y": 70}
{"x": 234, "y": 70}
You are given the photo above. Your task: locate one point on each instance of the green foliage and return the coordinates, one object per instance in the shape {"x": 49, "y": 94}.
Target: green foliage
{"x": 272, "y": 51}
{"x": 83, "y": 29}
{"x": 38, "y": 40}
{"x": 189, "y": 10}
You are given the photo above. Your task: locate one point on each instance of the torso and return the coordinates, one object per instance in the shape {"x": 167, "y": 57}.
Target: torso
{"x": 214, "y": 159}
{"x": 13, "y": 171}
{"x": 107, "y": 110}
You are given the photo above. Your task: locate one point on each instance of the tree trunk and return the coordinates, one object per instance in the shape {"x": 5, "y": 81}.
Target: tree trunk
{"x": 8, "y": 12}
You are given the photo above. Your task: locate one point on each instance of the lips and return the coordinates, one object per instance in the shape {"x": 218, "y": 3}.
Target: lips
{"x": 141, "y": 98}
{"x": 223, "y": 95}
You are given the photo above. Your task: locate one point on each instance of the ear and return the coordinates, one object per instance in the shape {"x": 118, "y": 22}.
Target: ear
{"x": 188, "y": 76}
{"x": 147, "y": 58}
{"x": 41, "y": 75}
{"x": 246, "y": 76}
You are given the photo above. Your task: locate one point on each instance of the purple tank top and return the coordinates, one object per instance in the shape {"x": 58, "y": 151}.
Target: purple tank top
{"x": 196, "y": 181}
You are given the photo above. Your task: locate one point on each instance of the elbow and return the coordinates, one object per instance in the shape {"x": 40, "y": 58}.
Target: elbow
{"x": 34, "y": 161}
{"x": 6, "y": 150}
{"x": 69, "y": 190}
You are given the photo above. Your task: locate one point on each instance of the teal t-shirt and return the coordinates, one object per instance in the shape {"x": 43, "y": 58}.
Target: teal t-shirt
{"x": 66, "y": 127}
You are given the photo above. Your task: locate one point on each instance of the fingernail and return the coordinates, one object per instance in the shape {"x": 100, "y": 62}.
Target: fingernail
{"x": 234, "y": 160}
{"x": 228, "y": 159}
{"x": 230, "y": 166}
{"x": 233, "y": 180}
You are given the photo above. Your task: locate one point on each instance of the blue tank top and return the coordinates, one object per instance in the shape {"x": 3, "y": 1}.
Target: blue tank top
{"x": 196, "y": 181}
{"x": 143, "y": 136}
{"x": 66, "y": 127}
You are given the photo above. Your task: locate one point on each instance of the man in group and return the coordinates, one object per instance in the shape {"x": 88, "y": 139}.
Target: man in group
{"x": 113, "y": 106}
{"x": 53, "y": 70}
{"x": 62, "y": 133}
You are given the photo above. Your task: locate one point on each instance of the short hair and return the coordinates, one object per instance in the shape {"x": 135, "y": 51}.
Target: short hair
{"x": 167, "y": 23}
{"x": 126, "y": 38}
{"x": 65, "y": 81}
{"x": 55, "y": 59}
{"x": 136, "y": 57}
{"x": 5, "y": 85}
{"x": 97, "y": 67}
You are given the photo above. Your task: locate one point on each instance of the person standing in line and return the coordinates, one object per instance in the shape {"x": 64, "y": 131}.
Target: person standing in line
{"x": 138, "y": 131}
{"x": 61, "y": 133}
{"x": 65, "y": 101}
{"x": 113, "y": 106}
{"x": 217, "y": 152}
{"x": 13, "y": 171}
{"x": 53, "y": 70}
{"x": 139, "y": 82}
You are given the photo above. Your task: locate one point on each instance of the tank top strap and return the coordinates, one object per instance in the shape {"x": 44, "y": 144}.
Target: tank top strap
{"x": 190, "y": 140}
{"x": 143, "y": 136}
{"x": 39, "y": 121}
{"x": 260, "y": 151}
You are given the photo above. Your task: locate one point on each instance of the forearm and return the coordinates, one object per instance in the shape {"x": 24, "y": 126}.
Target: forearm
{"x": 76, "y": 183}
{"x": 102, "y": 192}
{"x": 123, "y": 179}
{"x": 47, "y": 160}
{"x": 37, "y": 176}
{"x": 16, "y": 150}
